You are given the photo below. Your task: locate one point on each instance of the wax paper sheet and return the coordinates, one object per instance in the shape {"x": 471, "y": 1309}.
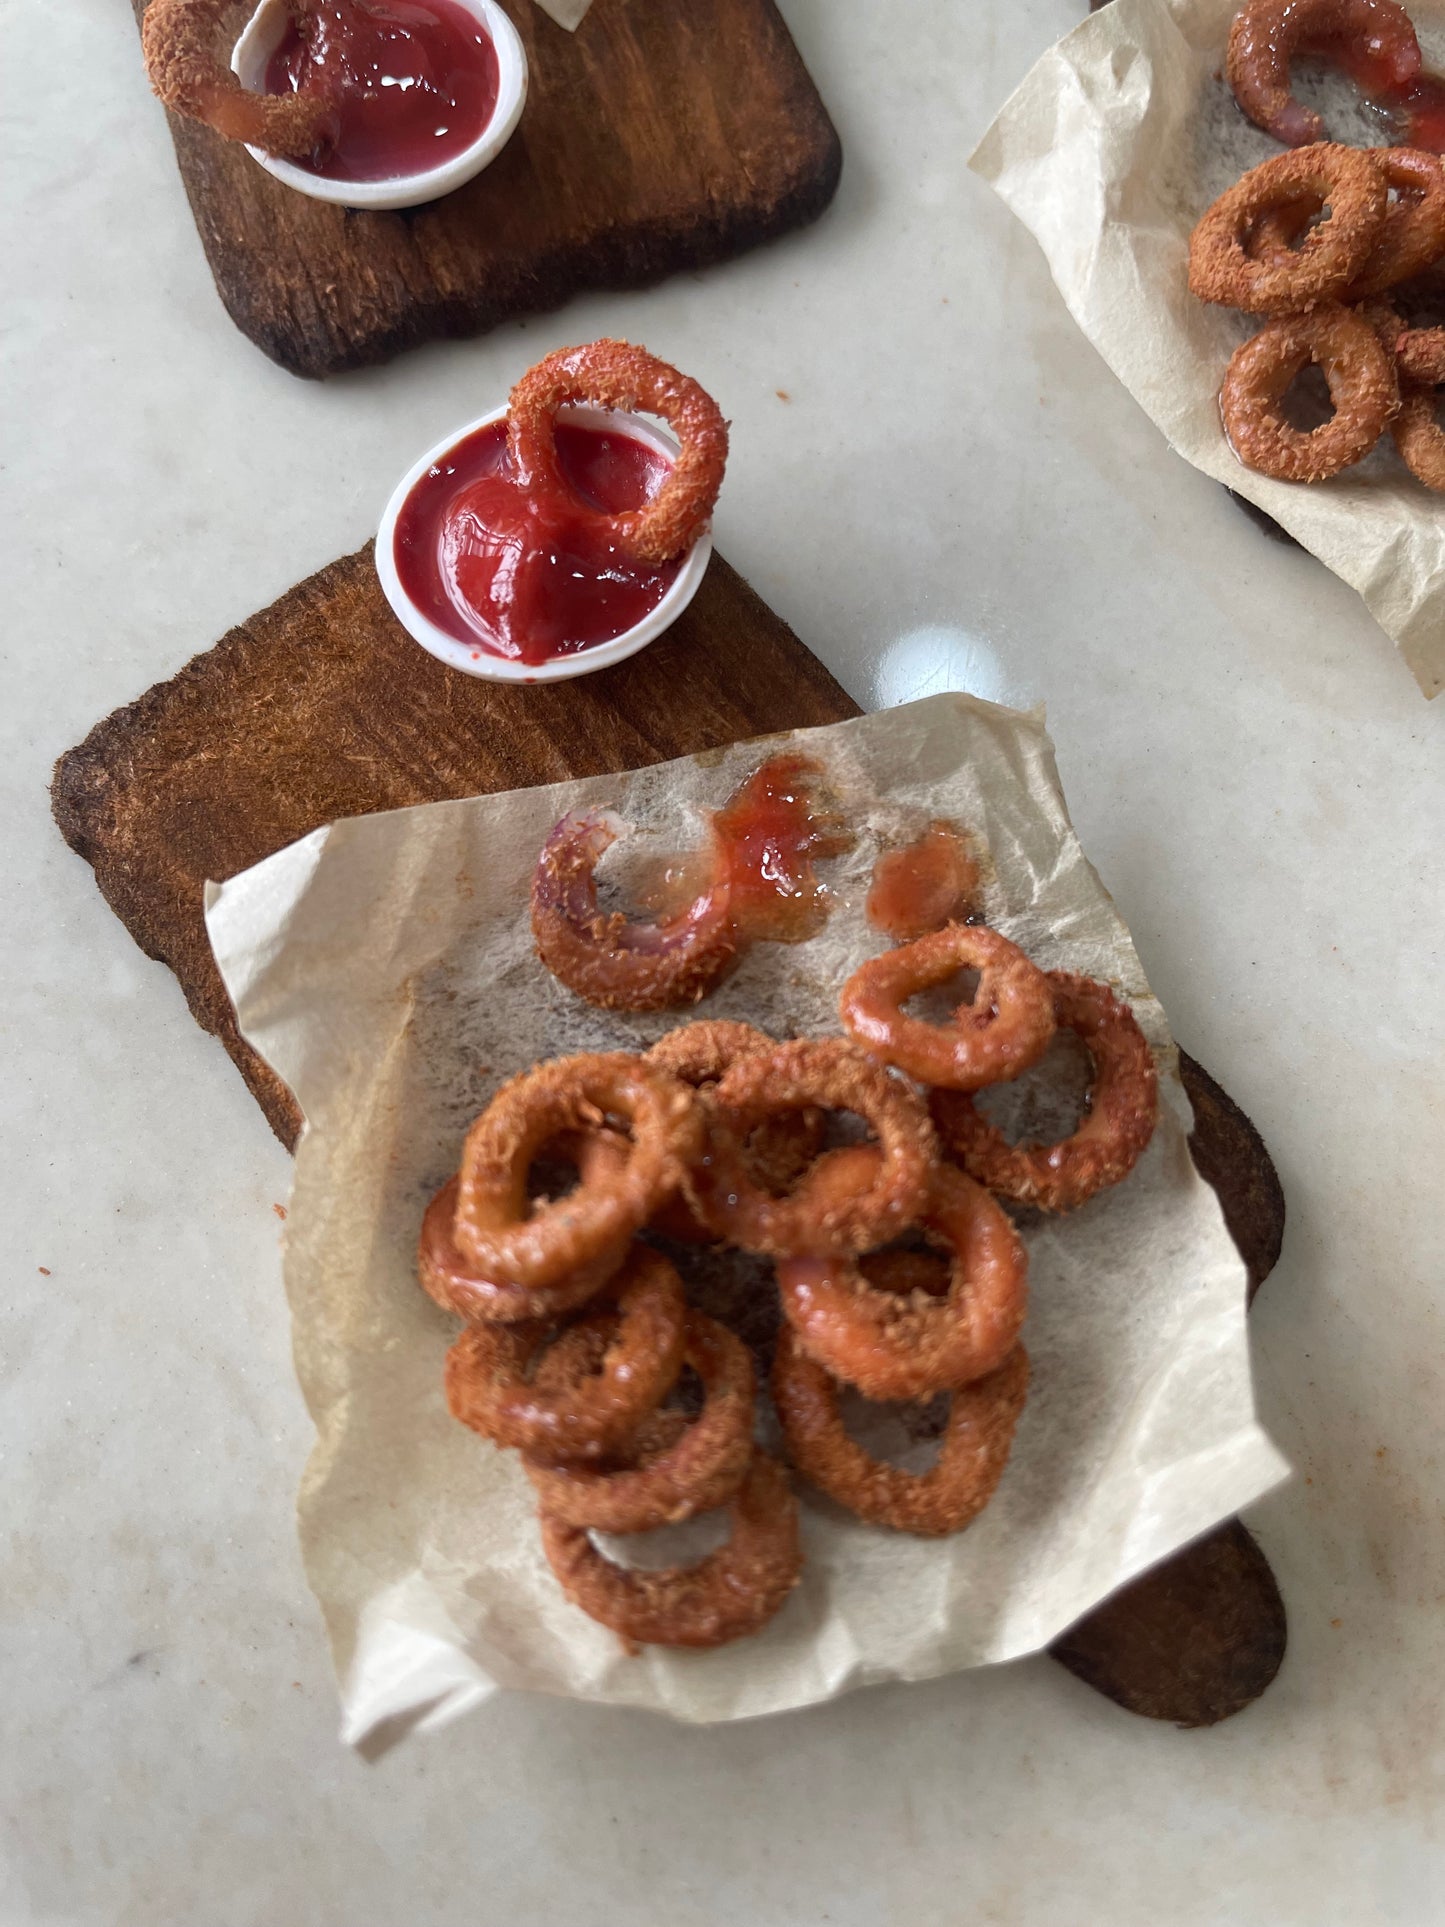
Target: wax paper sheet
{"x": 1109, "y": 152}
{"x": 384, "y": 967}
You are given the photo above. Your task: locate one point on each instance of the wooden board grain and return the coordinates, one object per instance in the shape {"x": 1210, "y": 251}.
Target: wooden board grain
{"x": 321, "y": 707}
{"x": 662, "y": 135}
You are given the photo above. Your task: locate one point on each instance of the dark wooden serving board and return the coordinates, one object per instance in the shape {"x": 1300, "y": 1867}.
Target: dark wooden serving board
{"x": 322, "y": 707}
{"x": 661, "y": 135}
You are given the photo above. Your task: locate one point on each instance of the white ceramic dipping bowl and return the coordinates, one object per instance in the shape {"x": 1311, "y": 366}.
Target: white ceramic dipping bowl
{"x": 262, "y": 36}
{"x": 474, "y": 658}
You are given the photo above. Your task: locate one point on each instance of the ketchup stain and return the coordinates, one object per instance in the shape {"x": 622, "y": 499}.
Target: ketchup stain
{"x": 1422, "y": 108}
{"x": 925, "y": 885}
{"x": 1385, "y": 66}
{"x": 526, "y": 574}
{"x": 769, "y": 835}
{"x": 412, "y": 82}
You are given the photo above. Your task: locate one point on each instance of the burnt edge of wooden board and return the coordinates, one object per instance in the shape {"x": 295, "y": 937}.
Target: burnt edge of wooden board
{"x": 323, "y": 289}
{"x": 1218, "y": 1593}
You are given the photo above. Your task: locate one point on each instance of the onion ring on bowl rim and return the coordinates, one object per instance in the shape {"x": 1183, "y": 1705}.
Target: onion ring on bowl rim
{"x": 1123, "y": 1109}
{"x": 895, "y": 1346}
{"x": 616, "y": 374}
{"x": 831, "y": 1075}
{"x": 700, "y": 1467}
{"x": 189, "y": 73}
{"x": 1006, "y": 1028}
{"x": 505, "y": 1239}
{"x": 488, "y": 1387}
{"x": 1328, "y": 259}
{"x": 1266, "y": 34}
{"x": 1362, "y": 385}
{"x": 977, "y": 1439}
{"x": 735, "y": 1591}
{"x": 603, "y": 957}
{"x": 1420, "y": 438}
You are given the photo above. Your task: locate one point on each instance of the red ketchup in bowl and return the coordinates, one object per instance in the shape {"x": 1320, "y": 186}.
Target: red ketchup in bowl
{"x": 525, "y": 574}
{"x": 413, "y": 83}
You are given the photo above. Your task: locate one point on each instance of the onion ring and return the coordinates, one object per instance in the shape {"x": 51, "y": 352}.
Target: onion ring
{"x": 1362, "y": 384}
{"x": 504, "y": 1238}
{"x": 488, "y": 1388}
{"x": 735, "y": 1591}
{"x": 1413, "y": 235}
{"x": 893, "y": 1346}
{"x": 694, "y": 1470}
{"x": 1420, "y": 438}
{"x": 977, "y": 1439}
{"x": 188, "y": 72}
{"x": 1420, "y": 356}
{"x": 606, "y": 959}
{"x": 1006, "y": 1028}
{"x": 615, "y": 374}
{"x": 1332, "y": 254}
{"x": 1266, "y": 34}
{"x": 1123, "y": 1106}
{"x": 800, "y": 1076}
{"x": 455, "y": 1283}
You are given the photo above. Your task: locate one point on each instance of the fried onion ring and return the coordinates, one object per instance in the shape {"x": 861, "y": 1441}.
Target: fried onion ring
{"x": 977, "y": 1439}
{"x": 506, "y": 1239}
{"x": 894, "y": 1345}
{"x": 733, "y": 1592}
{"x": 1006, "y": 1028}
{"x": 1122, "y": 1108}
{"x": 1266, "y": 35}
{"x": 1420, "y": 356}
{"x": 1420, "y": 438}
{"x": 693, "y": 1470}
{"x": 606, "y": 959}
{"x": 455, "y": 1283}
{"x": 1413, "y": 236}
{"x": 615, "y": 374}
{"x": 488, "y": 1387}
{"x": 1362, "y": 385}
{"x": 190, "y": 74}
{"x": 1331, "y": 255}
{"x": 800, "y": 1076}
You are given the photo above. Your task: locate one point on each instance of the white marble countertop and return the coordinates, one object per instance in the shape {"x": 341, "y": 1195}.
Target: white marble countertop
{"x": 956, "y": 495}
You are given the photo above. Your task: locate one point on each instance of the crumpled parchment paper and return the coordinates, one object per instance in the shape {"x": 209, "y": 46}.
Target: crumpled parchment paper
{"x": 384, "y": 967}
{"x": 1109, "y": 152}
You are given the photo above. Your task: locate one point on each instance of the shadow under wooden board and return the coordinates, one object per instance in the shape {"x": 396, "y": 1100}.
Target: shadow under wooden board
{"x": 322, "y": 707}
{"x": 661, "y": 135}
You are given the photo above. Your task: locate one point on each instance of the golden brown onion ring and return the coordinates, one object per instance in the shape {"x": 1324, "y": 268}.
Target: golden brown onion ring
{"x": 1362, "y": 385}
{"x": 1420, "y": 438}
{"x": 894, "y": 1345}
{"x": 488, "y": 1386}
{"x": 801, "y": 1076}
{"x": 1331, "y": 255}
{"x": 699, "y": 1467}
{"x": 1123, "y": 1107}
{"x": 188, "y": 71}
{"x": 1006, "y": 1028}
{"x": 977, "y": 1439}
{"x": 735, "y": 1591}
{"x": 618, "y": 375}
{"x": 1266, "y": 35}
{"x": 607, "y": 959}
{"x": 457, "y": 1285}
{"x": 507, "y": 1239}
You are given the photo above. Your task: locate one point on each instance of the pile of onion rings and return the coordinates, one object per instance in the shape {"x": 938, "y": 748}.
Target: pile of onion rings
{"x": 899, "y": 1272}
{"x": 1312, "y": 240}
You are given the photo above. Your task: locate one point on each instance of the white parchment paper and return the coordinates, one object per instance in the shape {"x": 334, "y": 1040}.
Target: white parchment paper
{"x": 384, "y": 967}
{"x": 567, "y": 13}
{"x": 1109, "y": 152}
